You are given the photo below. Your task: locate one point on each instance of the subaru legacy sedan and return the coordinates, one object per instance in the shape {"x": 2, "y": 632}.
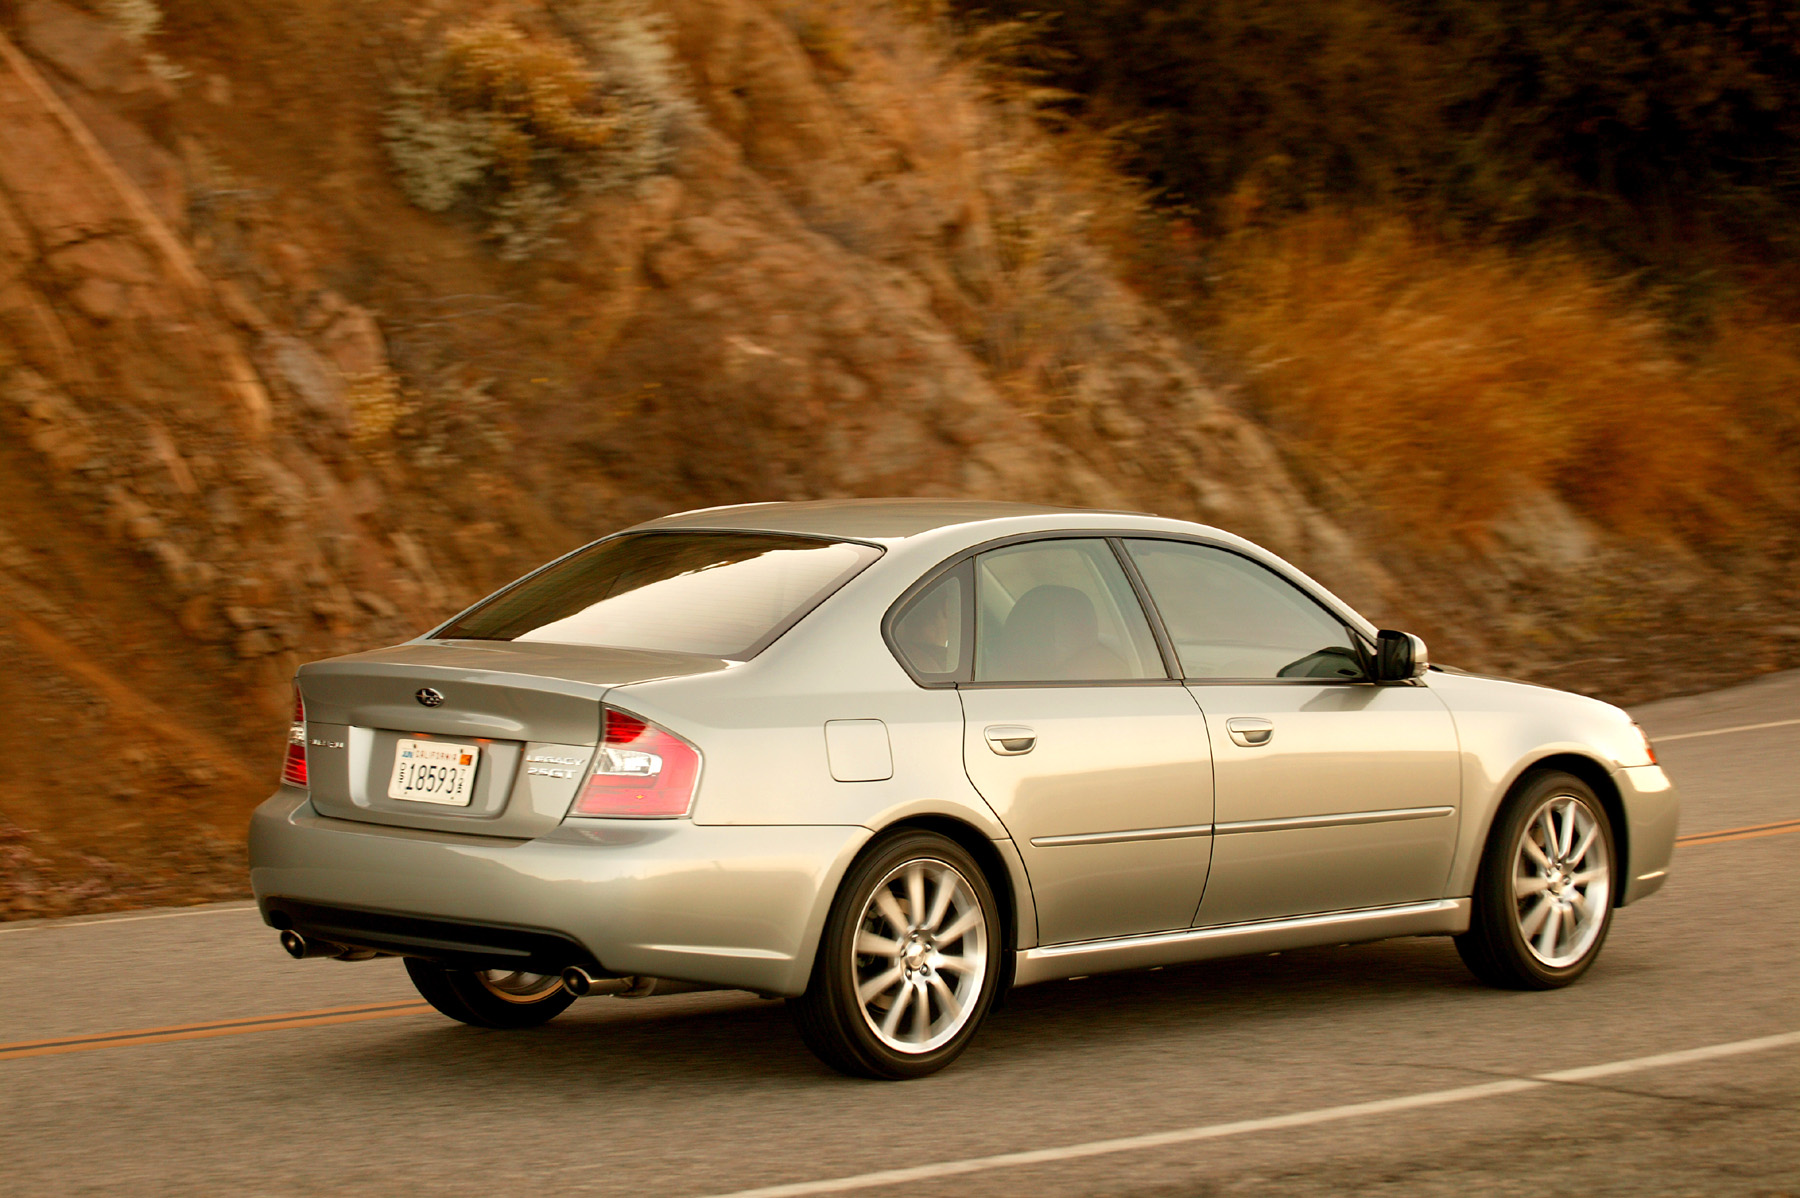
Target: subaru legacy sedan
{"x": 888, "y": 758}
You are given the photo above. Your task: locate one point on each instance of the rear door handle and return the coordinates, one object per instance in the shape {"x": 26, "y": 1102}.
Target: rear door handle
{"x": 1010, "y": 740}
{"x": 1250, "y": 731}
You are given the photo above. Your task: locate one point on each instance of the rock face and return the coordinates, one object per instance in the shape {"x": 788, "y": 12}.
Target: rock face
{"x": 259, "y": 408}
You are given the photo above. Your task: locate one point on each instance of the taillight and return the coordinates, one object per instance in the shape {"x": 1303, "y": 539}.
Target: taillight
{"x": 293, "y": 771}
{"x": 641, "y": 772}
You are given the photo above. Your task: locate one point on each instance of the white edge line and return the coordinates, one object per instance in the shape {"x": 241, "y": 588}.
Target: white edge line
{"x": 1216, "y": 1131}
{"x": 1663, "y": 740}
{"x": 45, "y": 925}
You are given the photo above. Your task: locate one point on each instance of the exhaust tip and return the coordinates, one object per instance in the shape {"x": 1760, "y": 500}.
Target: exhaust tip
{"x": 578, "y": 981}
{"x": 294, "y": 944}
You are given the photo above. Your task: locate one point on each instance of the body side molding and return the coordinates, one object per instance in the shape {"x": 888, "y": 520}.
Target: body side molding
{"x": 1337, "y": 820}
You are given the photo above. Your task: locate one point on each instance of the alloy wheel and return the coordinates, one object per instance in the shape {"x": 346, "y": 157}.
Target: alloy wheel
{"x": 1562, "y": 881}
{"x": 921, "y": 955}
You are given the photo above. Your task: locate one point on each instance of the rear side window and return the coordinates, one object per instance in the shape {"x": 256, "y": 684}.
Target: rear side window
{"x": 720, "y": 594}
{"x": 1231, "y": 618}
{"x": 932, "y": 631}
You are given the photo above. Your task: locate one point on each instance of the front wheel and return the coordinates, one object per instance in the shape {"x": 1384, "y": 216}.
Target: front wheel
{"x": 1544, "y": 895}
{"x": 498, "y": 998}
{"x": 908, "y": 963}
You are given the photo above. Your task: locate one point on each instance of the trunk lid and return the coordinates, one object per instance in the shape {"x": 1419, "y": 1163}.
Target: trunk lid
{"x": 525, "y": 715}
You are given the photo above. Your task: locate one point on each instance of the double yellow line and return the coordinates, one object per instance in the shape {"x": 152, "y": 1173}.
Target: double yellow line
{"x": 205, "y": 1031}
{"x": 1779, "y": 828}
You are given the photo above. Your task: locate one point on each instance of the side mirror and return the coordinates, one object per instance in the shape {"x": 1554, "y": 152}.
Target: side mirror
{"x": 1399, "y": 656}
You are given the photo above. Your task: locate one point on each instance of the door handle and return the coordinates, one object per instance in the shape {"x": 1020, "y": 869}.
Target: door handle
{"x": 1010, "y": 740}
{"x": 1250, "y": 731}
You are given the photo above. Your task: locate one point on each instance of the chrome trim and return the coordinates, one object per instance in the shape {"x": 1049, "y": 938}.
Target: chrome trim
{"x": 1340, "y": 820}
{"x": 1653, "y": 875}
{"x": 1433, "y": 918}
{"x": 1046, "y": 842}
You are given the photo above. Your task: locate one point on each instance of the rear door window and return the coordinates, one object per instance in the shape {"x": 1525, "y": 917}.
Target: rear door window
{"x": 719, "y": 594}
{"x": 1059, "y": 611}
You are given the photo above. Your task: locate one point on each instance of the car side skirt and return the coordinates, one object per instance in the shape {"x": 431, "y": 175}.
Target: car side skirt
{"x": 1441, "y": 917}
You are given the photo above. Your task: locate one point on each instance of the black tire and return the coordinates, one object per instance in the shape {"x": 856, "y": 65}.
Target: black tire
{"x": 463, "y": 995}
{"x": 952, "y": 980}
{"x": 1505, "y": 943}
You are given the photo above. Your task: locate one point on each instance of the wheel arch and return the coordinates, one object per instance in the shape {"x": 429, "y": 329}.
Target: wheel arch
{"x": 1599, "y": 779}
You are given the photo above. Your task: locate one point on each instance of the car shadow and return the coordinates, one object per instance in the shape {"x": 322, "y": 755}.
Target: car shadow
{"x": 732, "y": 1037}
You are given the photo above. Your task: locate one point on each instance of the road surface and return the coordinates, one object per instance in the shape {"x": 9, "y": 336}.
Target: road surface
{"x": 179, "y": 1052}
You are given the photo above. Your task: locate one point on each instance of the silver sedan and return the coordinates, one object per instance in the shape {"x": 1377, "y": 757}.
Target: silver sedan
{"x": 888, "y": 758}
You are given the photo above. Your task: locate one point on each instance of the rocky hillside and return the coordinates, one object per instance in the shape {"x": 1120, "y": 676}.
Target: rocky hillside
{"x": 317, "y": 321}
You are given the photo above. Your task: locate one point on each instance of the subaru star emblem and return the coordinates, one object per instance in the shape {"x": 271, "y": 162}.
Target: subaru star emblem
{"x": 429, "y": 697}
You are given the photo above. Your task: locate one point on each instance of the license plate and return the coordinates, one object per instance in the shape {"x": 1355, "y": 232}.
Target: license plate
{"x": 434, "y": 771}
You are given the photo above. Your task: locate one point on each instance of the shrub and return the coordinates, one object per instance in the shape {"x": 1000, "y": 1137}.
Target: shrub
{"x": 518, "y": 126}
{"x": 1442, "y": 382}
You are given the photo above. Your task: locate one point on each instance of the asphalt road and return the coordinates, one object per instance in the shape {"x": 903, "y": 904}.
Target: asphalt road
{"x": 1223, "y": 1078}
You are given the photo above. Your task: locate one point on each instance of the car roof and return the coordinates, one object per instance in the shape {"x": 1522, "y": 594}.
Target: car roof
{"x": 861, "y": 519}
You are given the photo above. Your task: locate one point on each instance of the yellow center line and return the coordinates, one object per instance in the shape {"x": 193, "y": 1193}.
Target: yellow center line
{"x": 209, "y": 1029}
{"x": 1779, "y": 828}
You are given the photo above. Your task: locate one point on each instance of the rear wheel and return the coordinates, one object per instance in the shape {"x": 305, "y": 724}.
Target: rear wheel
{"x": 909, "y": 961}
{"x": 499, "y": 998}
{"x": 1544, "y": 896}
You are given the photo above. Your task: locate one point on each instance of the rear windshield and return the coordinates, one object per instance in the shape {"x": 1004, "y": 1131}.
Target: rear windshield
{"x": 721, "y": 594}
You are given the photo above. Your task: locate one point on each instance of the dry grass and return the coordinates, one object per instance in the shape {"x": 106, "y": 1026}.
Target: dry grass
{"x": 1441, "y": 382}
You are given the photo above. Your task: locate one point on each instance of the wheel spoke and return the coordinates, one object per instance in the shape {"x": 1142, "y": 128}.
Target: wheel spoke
{"x": 1528, "y": 886}
{"x": 1546, "y": 941}
{"x": 866, "y": 991}
{"x": 1579, "y": 916}
{"x": 1535, "y": 853}
{"x": 1547, "y": 829}
{"x": 1587, "y": 842}
{"x": 1531, "y": 923}
{"x": 890, "y": 910}
{"x": 915, "y": 893}
{"x": 964, "y": 922}
{"x": 873, "y": 945}
{"x": 921, "y": 1013}
{"x": 891, "y": 1024}
{"x": 1588, "y": 877}
{"x": 946, "y": 996}
{"x": 1568, "y": 829}
{"x": 968, "y": 966}
{"x": 940, "y": 903}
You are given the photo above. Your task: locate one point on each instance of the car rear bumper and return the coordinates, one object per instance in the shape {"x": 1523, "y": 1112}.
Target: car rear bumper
{"x": 730, "y": 906}
{"x": 1652, "y": 813}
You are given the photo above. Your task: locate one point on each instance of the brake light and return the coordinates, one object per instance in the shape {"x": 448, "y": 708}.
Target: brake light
{"x": 641, "y": 772}
{"x": 293, "y": 770}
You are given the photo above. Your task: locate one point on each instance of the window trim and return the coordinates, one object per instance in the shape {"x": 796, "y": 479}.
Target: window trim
{"x": 1116, "y": 538}
{"x": 769, "y": 638}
